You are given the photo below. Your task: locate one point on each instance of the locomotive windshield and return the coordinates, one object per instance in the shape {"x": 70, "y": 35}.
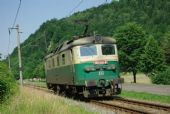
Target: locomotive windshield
{"x": 108, "y": 49}
{"x": 90, "y": 50}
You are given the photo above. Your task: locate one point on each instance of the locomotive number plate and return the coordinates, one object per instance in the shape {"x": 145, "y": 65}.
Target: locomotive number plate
{"x": 101, "y": 73}
{"x": 100, "y": 62}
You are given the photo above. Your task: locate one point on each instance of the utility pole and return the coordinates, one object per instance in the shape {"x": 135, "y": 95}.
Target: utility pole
{"x": 9, "y": 61}
{"x": 19, "y": 54}
{"x": 45, "y": 40}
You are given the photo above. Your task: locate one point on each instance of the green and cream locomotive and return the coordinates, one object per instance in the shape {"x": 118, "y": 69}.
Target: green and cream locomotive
{"x": 86, "y": 66}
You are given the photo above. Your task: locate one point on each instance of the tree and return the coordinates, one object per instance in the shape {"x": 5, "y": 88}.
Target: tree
{"x": 166, "y": 46}
{"x": 162, "y": 77}
{"x": 39, "y": 71}
{"x": 152, "y": 15}
{"x": 152, "y": 58}
{"x": 8, "y": 85}
{"x": 0, "y": 56}
{"x": 130, "y": 40}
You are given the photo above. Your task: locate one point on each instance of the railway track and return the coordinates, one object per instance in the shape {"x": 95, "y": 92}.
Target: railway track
{"x": 121, "y": 105}
{"x": 133, "y": 106}
{"x": 146, "y": 104}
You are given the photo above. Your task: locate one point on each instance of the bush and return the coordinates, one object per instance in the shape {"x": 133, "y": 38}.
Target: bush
{"x": 162, "y": 77}
{"x": 8, "y": 84}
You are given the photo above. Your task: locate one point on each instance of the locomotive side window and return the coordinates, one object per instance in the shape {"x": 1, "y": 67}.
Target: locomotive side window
{"x": 58, "y": 61}
{"x": 48, "y": 62}
{"x": 53, "y": 63}
{"x": 63, "y": 59}
{"x": 88, "y": 50}
{"x": 71, "y": 54}
{"x": 108, "y": 50}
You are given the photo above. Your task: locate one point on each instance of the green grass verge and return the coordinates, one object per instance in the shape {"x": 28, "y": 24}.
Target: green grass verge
{"x": 30, "y": 101}
{"x": 146, "y": 96}
{"x": 128, "y": 94}
{"x": 140, "y": 78}
{"x": 36, "y": 83}
{"x": 8, "y": 85}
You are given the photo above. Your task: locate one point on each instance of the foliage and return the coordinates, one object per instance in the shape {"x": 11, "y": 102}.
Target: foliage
{"x": 0, "y": 56}
{"x": 37, "y": 82}
{"x": 39, "y": 72}
{"x": 166, "y": 46}
{"x": 153, "y": 15}
{"x": 31, "y": 101}
{"x": 162, "y": 77}
{"x": 152, "y": 57}
{"x": 140, "y": 77}
{"x": 130, "y": 38}
{"x": 146, "y": 96}
{"x": 8, "y": 85}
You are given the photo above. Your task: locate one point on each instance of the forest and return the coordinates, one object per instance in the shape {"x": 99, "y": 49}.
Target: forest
{"x": 141, "y": 28}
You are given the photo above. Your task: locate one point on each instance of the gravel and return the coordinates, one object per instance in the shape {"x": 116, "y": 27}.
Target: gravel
{"x": 89, "y": 107}
{"x": 149, "y": 88}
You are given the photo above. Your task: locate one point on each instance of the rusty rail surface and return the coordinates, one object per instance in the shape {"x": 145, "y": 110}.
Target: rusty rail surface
{"x": 146, "y": 104}
{"x": 118, "y": 107}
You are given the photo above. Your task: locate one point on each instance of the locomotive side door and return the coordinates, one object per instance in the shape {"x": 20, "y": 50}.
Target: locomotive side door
{"x": 70, "y": 57}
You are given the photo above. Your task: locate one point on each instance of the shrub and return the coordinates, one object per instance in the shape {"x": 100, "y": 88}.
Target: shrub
{"x": 162, "y": 77}
{"x": 8, "y": 84}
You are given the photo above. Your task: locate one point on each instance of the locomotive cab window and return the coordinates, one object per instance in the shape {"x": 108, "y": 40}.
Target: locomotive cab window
{"x": 108, "y": 50}
{"x": 89, "y": 50}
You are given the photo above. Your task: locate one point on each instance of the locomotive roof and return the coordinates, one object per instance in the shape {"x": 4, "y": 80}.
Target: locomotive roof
{"x": 82, "y": 41}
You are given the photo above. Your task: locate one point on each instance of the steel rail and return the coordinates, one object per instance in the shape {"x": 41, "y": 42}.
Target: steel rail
{"x": 118, "y": 107}
{"x": 152, "y": 105}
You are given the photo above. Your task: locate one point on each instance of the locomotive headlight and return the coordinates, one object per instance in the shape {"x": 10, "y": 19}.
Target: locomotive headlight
{"x": 109, "y": 68}
{"x": 92, "y": 69}
{"x": 89, "y": 69}
{"x": 104, "y": 67}
{"x": 112, "y": 67}
{"x": 97, "y": 67}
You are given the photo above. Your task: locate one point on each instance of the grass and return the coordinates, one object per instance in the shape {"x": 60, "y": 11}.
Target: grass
{"x": 135, "y": 95}
{"x": 30, "y": 101}
{"x": 140, "y": 78}
{"x": 8, "y": 85}
{"x": 146, "y": 96}
{"x": 36, "y": 83}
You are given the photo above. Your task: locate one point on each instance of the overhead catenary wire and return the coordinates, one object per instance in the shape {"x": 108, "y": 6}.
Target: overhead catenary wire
{"x": 15, "y": 19}
{"x": 81, "y": 1}
{"x": 16, "y": 14}
{"x": 10, "y": 31}
{"x": 73, "y": 9}
{"x": 9, "y": 62}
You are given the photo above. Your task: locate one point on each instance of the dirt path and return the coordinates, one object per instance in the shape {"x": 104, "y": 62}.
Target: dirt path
{"x": 149, "y": 88}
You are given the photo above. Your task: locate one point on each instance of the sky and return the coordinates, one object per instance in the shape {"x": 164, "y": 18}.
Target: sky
{"x": 32, "y": 14}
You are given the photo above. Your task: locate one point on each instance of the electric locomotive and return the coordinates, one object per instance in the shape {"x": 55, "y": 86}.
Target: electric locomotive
{"x": 85, "y": 66}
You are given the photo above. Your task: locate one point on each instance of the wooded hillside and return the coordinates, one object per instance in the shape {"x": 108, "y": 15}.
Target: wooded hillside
{"x": 152, "y": 15}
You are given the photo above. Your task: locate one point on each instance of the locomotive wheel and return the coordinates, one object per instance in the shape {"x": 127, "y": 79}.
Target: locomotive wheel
{"x": 54, "y": 88}
{"x": 49, "y": 86}
{"x": 62, "y": 91}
